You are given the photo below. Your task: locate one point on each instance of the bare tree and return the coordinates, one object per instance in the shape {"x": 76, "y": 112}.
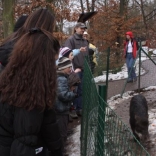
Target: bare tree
{"x": 82, "y": 8}
{"x": 141, "y": 5}
{"x": 88, "y": 8}
{"x": 123, "y": 6}
{"x": 93, "y": 5}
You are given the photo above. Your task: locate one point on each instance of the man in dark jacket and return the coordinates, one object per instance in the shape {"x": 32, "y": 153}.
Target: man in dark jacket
{"x": 76, "y": 41}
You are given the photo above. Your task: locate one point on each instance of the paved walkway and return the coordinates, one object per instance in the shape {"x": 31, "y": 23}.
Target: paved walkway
{"x": 148, "y": 79}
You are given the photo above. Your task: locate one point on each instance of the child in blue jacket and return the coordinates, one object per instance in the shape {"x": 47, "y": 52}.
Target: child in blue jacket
{"x": 64, "y": 96}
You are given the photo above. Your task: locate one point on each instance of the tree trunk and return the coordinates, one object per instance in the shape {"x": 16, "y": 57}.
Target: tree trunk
{"x": 141, "y": 4}
{"x": 88, "y": 8}
{"x": 122, "y": 7}
{"x": 93, "y": 5}
{"x": 51, "y": 1}
{"x": 143, "y": 16}
{"x": 8, "y": 18}
{"x": 81, "y": 2}
{"x": 122, "y": 11}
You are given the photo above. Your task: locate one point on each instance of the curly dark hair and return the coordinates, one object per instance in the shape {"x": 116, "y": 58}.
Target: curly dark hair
{"x": 29, "y": 79}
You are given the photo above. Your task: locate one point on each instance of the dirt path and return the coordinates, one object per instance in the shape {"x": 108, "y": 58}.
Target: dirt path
{"x": 146, "y": 80}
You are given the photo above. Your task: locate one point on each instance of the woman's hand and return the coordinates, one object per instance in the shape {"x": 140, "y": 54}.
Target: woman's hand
{"x": 83, "y": 49}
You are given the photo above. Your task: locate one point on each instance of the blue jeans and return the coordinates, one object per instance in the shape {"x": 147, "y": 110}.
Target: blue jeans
{"x": 78, "y": 101}
{"x": 130, "y": 63}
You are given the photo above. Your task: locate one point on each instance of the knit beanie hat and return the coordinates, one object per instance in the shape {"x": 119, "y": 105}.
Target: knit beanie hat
{"x": 64, "y": 52}
{"x": 20, "y": 22}
{"x": 130, "y": 34}
{"x": 63, "y": 63}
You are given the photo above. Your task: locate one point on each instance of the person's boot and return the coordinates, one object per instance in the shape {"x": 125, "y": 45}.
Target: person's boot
{"x": 73, "y": 114}
{"x": 129, "y": 80}
{"x": 135, "y": 79}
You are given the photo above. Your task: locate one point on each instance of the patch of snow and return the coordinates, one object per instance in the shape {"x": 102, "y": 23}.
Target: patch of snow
{"x": 120, "y": 75}
{"x": 146, "y": 49}
{"x": 74, "y": 142}
{"x": 154, "y": 51}
{"x": 150, "y": 88}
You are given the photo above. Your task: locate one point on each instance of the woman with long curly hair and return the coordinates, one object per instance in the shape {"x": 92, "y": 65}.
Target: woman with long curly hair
{"x": 28, "y": 125}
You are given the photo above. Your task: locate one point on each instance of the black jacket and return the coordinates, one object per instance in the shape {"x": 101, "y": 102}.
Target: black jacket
{"x": 5, "y": 51}
{"x": 24, "y": 133}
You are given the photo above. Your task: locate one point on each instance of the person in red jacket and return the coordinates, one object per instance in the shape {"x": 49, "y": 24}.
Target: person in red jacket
{"x": 130, "y": 53}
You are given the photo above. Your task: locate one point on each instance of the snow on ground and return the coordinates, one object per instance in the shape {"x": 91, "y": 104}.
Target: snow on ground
{"x": 120, "y": 75}
{"x": 73, "y": 146}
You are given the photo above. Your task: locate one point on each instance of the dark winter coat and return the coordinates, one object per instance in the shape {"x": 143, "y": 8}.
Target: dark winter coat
{"x": 64, "y": 95}
{"x": 1, "y": 67}
{"x": 23, "y": 132}
{"x": 76, "y": 42}
{"x": 5, "y": 51}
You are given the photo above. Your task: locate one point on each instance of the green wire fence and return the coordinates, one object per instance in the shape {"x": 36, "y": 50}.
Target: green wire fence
{"x": 102, "y": 131}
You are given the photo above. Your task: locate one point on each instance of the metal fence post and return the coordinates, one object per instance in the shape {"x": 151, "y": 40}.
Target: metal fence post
{"x": 139, "y": 66}
{"x": 107, "y": 73}
{"x": 101, "y": 120}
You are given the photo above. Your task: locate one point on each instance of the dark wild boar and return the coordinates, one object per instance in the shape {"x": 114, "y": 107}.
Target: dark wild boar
{"x": 139, "y": 117}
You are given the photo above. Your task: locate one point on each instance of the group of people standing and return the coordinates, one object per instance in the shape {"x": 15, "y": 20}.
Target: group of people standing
{"x": 39, "y": 83}
{"x": 70, "y": 68}
{"x": 37, "y": 89}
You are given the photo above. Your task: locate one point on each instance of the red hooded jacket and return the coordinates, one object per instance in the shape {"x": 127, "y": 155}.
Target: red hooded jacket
{"x": 134, "y": 45}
